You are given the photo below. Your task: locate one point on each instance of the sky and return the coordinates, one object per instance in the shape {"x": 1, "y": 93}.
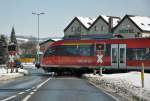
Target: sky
{"x": 59, "y": 13}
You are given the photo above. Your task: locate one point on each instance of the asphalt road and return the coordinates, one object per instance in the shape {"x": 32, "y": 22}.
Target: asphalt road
{"x": 42, "y": 87}
{"x": 69, "y": 89}
{"x": 20, "y": 86}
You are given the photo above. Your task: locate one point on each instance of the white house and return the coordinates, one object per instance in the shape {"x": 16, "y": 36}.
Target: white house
{"x": 133, "y": 26}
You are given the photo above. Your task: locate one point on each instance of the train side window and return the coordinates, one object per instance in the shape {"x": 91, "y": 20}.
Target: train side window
{"x": 86, "y": 50}
{"x": 71, "y": 50}
{"x": 137, "y": 54}
{"x": 147, "y": 53}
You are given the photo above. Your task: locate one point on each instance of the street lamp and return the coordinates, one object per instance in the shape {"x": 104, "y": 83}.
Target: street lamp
{"x": 38, "y": 46}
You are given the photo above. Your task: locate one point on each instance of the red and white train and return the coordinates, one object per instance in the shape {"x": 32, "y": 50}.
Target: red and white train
{"x": 81, "y": 55}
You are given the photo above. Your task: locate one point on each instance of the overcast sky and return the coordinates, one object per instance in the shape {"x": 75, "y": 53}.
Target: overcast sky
{"x": 59, "y": 13}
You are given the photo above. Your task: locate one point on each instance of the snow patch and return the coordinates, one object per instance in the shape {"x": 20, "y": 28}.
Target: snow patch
{"x": 124, "y": 84}
{"x": 86, "y": 21}
{"x": 6, "y": 76}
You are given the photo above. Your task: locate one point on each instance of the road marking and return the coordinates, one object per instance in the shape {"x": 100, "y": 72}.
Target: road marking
{"x": 26, "y": 98}
{"x": 38, "y": 86}
{"x": 35, "y": 90}
{"x": 31, "y": 93}
{"x": 21, "y": 93}
{"x": 33, "y": 87}
{"x": 104, "y": 91}
{"x": 9, "y": 98}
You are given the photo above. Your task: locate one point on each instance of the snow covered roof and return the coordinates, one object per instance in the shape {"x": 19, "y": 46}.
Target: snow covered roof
{"x": 115, "y": 19}
{"x": 86, "y": 21}
{"x": 142, "y": 22}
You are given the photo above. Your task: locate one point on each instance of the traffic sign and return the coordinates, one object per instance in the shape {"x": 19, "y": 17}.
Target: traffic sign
{"x": 11, "y": 58}
{"x": 99, "y": 58}
{"x": 147, "y": 50}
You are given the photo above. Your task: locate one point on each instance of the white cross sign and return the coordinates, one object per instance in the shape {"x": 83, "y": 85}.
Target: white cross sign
{"x": 99, "y": 58}
{"x": 11, "y": 58}
{"x": 147, "y": 50}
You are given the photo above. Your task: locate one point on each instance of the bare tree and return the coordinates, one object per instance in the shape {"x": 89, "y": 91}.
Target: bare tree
{"x": 28, "y": 48}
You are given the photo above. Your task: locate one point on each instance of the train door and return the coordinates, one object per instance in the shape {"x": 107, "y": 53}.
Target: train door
{"x": 118, "y": 55}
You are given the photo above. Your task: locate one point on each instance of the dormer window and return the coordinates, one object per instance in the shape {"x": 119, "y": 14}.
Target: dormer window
{"x": 142, "y": 24}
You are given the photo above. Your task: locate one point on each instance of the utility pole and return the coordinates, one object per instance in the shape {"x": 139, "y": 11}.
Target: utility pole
{"x": 38, "y": 44}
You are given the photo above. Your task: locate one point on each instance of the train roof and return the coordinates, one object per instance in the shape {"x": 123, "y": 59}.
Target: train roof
{"x": 139, "y": 41}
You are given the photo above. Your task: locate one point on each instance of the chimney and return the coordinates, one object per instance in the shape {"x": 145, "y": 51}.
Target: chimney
{"x": 110, "y": 24}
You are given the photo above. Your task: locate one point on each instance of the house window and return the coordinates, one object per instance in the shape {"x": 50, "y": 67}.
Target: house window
{"x": 128, "y": 26}
{"x": 95, "y": 28}
{"x": 137, "y": 35}
{"x": 126, "y": 31}
{"x": 102, "y": 28}
{"x": 79, "y": 29}
{"x": 72, "y": 29}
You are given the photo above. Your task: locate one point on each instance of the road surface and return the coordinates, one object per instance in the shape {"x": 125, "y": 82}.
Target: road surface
{"x": 42, "y": 87}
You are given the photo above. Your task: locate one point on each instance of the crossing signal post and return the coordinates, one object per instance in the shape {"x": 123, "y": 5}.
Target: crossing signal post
{"x": 99, "y": 47}
{"x": 100, "y": 54}
{"x": 11, "y": 47}
{"x": 12, "y": 53}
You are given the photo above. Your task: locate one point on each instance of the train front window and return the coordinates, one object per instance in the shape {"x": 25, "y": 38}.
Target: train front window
{"x": 50, "y": 51}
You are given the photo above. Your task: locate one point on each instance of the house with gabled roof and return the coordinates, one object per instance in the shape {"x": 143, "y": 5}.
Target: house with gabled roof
{"x": 78, "y": 26}
{"x": 85, "y": 26}
{"x": 133, "y": 26}
{"x": 103, "y": 25}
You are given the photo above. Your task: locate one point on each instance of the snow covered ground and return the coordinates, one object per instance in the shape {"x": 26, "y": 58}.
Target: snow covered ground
{"x": 127, "y": 85}
{"x": 6, "y": 76}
